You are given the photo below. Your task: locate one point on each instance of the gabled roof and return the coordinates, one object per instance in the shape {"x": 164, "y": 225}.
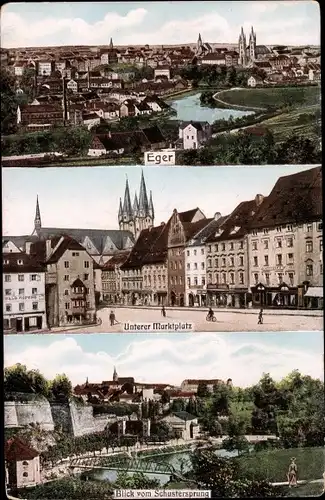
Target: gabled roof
{"x": 17, "y": 450}
{"x": 117, "y": 260}
{"x": 150, "y": 247}
{"x": 28, "y": 264}
{"x": 196, "y": 124}
{"x": 184, "y": 415}
{"x": 212, "y": 225}
{"x": 295, "y": 198}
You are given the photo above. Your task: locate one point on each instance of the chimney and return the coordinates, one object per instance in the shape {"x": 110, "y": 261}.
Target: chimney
{"x": 27, "y": 247}
{"x": 162, "y": 223}
{"x": 217, "y": 216}
{"x": 259, "y": 199}
{"x": 48, "y": 248}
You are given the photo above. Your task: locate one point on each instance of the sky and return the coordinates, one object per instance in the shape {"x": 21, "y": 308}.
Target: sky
{"x": 169, "y": 358}
{"x": 33, "y": 24}
{"x": 88, "y": 198}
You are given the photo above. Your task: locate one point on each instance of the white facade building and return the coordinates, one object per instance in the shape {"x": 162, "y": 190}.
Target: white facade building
{"x": 44, "y": 68}
{"x": 194, "y": 134}
{"x": 23, "y": 293}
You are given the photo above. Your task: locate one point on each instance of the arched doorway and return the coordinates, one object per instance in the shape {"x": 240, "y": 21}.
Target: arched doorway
{"x": 173, "y": 299}
{"x": 191, "y": 300}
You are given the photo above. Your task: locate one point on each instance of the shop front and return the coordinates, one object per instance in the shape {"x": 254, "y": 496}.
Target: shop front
{"x": 282, "y": 296}
{"x": 313, "y": 298}
{"x": 197, "y": 297}
{"x": 225, "y": 296}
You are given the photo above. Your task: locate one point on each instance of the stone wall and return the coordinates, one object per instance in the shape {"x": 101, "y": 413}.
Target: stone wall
{"x": 21, "y": 414}
{"x": 11, "y": 419}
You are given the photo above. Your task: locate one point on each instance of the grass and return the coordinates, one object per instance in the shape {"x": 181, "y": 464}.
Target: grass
{"x": 282, "y": 126}
{"x": 304, "y": 490}
{"x": 273, "y": 465}
{"x": 277, "y": 97}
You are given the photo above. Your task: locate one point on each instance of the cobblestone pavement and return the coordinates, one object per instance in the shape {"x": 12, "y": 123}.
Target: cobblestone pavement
{"x": 227, "y": 321}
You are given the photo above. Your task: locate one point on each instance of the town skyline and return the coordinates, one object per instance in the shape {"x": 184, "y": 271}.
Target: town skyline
{"x": 172, "y": 358}
{"x": 96, "y": 206}
{"x": 138, "y": 23}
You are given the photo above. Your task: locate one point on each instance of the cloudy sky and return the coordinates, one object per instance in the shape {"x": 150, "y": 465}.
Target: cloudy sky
{"x": 169, "y": 358}
{"x": 89, "y": 197}
{"x": 134, "y": 23}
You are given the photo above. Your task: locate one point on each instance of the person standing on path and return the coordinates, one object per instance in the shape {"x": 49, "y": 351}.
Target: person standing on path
{"x": 292, "y": 473}
{"x": 112, "y": 318}
{"x": 260, "y": 317}
{"x": 163, "y": 312}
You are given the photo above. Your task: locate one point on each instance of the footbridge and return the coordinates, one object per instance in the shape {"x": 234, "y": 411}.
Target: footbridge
{"x": 127, "y": 464}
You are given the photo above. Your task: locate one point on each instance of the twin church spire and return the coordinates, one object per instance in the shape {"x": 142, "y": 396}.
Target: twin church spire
{"x": 141, "y": 214}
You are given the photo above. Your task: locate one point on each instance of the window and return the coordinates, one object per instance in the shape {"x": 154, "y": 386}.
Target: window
{"x": 188, "y": 281}
{"x": 223, "y": 262}
{"x": 232, "y": 278}
{"x": 309, "y": 269}
{"x": 203, "y": 280}
{"x": 88, "y": 305}
{"x": 21, "y": 306}
{"x": 267, "y": 279}
{"x": 188, "y": 253}
{"x": 66, "y": 264}
{"x": 25, "y": 464}
{"x": 20, "y": 262}
{"x": 21, "y": 291}
{"x": 210, "y": 262}
{"x": 266, "y": 260}
{"x": 21, "y": 277}
{"x": 216, "y": 278}
{"x": 216, "y": 247}
{"x": 290, "y": 258}
{"x": 224, "y": 278}
{"x": 254, "y": 245}
{"x": 309, "y": 246}
{"x": 241, "y": 261}
{"x": 210, "y": 248}
{"x": 66, "y": 277}
{"x": 86, "y": 264}
{"x": 34, "y": 291}
{"x": 320, "y": 226}
{"x": 188, "y": 267}
{"x": 86, "y": 277}
{"x": 232, "y": 261}
{"x": 216, "y": 262}
{"x": 256, "y": 278}
{"x": 67, "y": 305}
{"x": 280, "y": 278}
{"x": 194, "y": 252}
{"x": 8, "y": 291}
{"x": 209, "y": 278}
{"x": 291, "y": 278}
{"x": 321, "y": 245}
{"x": 35, "y": 306}
{"x": 231, "y": 246}
{"x": 75, "y": 254}
{"x": 266, "y": 244}
{"x": 25, "y": 474}
{"x": 195, "y": 265}
{"x": 321, "y": 268}
{"x": 8, "y": 307}
{"x": 33, "y": 277}
{"x": 309, "y": 228}
{"x": 265, "y": 231}
{"x": 202, "y": 266}
{"x": 66, "y": 292}
{"x": 241, "y": 245}
{"x": 241, "y": 278}
{"x": 289, "y": 227}
{"x": 290, "y": 242}
{"x": 279, "y": 259}
{"x": 180, "y": 280}
{"x": 255, "y": 261}
{"x": 202, "y": 251}
{"x": 195, "y": 281}
{"x": 223, "y": 247}
{"x": 279, "y": 243}
{"x": 279, "y": 229}
{"x": 7, "y": 278}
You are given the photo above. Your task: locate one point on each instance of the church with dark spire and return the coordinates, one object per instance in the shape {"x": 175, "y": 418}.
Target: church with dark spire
{"x": 247, "y": 53}
{"x": 139, "y": 215}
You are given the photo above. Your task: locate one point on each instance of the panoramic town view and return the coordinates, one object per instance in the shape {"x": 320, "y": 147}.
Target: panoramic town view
{"x": 245, "y": 255}
{"x": 102, "y": 86}
{"x": 164, "y": 412}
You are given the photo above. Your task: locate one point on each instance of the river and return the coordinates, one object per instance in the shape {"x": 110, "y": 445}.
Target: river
{"x": 189, "y": 108}
{"x": 179, "y": 460}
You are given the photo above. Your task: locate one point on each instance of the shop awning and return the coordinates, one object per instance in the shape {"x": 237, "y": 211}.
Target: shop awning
{"x": 314, "y": 291}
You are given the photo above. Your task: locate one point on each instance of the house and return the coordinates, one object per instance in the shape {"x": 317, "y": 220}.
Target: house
{"x": 90, "y": 120}
{"x": 184, "y": 425}
{"x": 162, "y": 72}
{"x": 111, "y": 277}
{"x": 39, "y": 115}
{"x": 156, "y": 104}
{"x": 72, "y": 85}
{"x": 254, "y": 81}
{"x": 191, "y": 385}
{"x": 22, "y": 464}
{"x": 127, "y": 108}
{"x": 214, "y": 59}
{"x": 194, "y": 134}
{"x": 23, "y": 291}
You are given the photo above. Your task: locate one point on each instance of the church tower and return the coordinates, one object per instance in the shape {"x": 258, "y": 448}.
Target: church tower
{"x": 115, "y": 376}
{"x": 199, "y": 45}
{"x": 139, "y": 216}
{"x": 242, "y": 48}
{"x": 252, "y": 45}
{"x": 37, "y": 220}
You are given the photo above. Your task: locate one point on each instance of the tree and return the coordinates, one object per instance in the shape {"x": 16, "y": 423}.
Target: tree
{"x": 18, "y": 379}
{"x": 202, "y": 390}
{"x": 8, "y": 103}
{"x": 297, "y": 150}
{"x": 236, "y": 443}
{"x": 61, "y": 387}
{"x": 72, "y": 141}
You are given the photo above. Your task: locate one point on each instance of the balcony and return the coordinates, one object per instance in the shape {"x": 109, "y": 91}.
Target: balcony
{"x": 50, "y": 278}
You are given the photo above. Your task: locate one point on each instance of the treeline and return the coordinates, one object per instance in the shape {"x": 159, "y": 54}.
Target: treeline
{"x": 292, "y": 409}
{"x": 219, "y": 76}
{"x": 252, "y": 148}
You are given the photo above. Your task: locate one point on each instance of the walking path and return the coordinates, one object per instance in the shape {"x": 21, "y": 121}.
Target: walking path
{"x": 303, "y": 481}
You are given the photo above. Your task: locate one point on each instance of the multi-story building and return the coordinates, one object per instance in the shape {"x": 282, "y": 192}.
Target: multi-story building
{"x": 195, "y": 264}
{"x": 183, "y": 227}
{"x": 193, "y": 384}
{"x": 69, "y": 280}
{"x": 194, "y": 135}
{"x": 227, "y": 258}
{"x": 111, "y": 277}
{"x": 23, "y": 292}
{"x": 285, "y": 244}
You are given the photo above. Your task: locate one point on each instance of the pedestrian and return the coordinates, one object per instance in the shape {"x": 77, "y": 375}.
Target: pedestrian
{"x": 112, "y": 318}
{"x": 260, "y": 317}
{"x": 292, "y": 473}
{"x": 163, "y": 311}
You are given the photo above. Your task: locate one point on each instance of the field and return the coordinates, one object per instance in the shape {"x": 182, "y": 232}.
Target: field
{"x": 275, "y": 97}
{"x": 273, "y": 465}
{"x": 299, "y": 121}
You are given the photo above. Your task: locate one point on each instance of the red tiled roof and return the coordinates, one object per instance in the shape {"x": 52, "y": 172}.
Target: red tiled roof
{"x": 17, "y": 450}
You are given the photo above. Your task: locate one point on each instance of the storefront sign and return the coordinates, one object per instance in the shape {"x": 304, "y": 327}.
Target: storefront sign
{"x": 22, "y": 298}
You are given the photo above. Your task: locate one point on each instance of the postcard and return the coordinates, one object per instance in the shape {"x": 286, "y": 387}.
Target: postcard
{"x": 199, "y": 83}
{"x": 136, "y": 250}
{"x": 112, "y": 416}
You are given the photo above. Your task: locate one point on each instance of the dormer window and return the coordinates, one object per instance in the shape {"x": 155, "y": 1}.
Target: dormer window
{"x": 6, "y": 262}
{"x": 20, "y": 262}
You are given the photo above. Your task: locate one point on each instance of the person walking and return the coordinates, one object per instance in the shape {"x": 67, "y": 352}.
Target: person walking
{"x": 292, "y": 473}
{"x": 163, "y": 312}
{"x": 112, "y": 318}
{"x": 260, "y": 317}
